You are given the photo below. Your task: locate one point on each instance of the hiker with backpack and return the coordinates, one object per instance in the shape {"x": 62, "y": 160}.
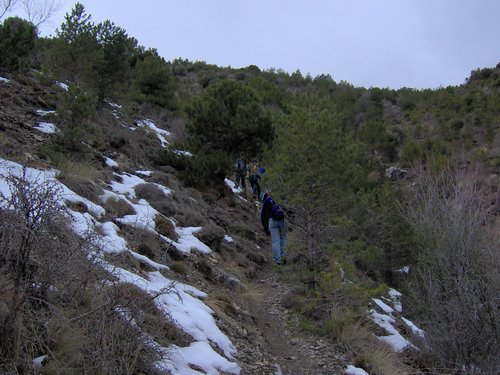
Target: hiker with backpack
{"x": 254, "y": 177}
{"x": 273, "y": 221}
{"x": 241, "y": 173}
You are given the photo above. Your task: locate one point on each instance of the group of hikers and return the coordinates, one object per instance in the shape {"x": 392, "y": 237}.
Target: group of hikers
{"x": 254, "y": 172}
{"x": 271, "y": 215}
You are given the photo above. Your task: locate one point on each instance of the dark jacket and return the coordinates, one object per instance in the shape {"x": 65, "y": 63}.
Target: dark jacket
{"x": 270, "y": 210}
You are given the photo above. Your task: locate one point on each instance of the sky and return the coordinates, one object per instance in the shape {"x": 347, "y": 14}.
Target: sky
{"x": 210, "y": 350}
{"x": 369, "y": 43}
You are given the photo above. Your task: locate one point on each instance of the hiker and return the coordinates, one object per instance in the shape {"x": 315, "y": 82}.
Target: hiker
{"x": 241, "y": 173}
{"x": 273, "y": 221}
{"x": 254, "y": 173}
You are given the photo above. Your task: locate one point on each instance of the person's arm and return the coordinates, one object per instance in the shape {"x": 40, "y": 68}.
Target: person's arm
{"x": 264, "y": 214}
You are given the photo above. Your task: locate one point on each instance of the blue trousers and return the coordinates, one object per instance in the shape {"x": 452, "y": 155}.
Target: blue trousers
{"x": 278, "y": 231}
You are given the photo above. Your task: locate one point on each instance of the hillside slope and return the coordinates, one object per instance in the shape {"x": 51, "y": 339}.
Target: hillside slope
{"x": 242, "y": 291}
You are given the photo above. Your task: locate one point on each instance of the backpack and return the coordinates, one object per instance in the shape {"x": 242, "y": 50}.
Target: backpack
{"x": 276, "y": 212}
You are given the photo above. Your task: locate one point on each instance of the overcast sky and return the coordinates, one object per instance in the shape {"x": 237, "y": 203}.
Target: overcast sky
{"x": 379, "y": 43}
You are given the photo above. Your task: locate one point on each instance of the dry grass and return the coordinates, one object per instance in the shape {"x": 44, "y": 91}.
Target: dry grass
{"x": 116, "y": 207}
{"x": 190, "y": 210}
{"x": 77, "y": 176}
{"x": 179, "y": 267}
{"x": 165, "y": 227}
{"x": 371, "y": 354}
{"x": 166, "y": 179}
{"x": 146, "y": 243}
{"x": 150, "y": 192}
{"x": 189, "y": 216}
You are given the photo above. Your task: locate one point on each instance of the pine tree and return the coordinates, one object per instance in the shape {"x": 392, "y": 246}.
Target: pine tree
{"x": 314, "y": 164}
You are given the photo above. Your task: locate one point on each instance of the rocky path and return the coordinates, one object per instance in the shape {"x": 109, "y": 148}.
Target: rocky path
{"x": 289, "y": 352}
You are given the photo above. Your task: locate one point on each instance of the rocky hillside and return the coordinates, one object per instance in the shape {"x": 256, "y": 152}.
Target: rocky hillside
{"x": 242, "y": 292}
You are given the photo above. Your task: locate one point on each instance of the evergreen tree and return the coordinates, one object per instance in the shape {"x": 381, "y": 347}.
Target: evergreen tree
{"x": 17, "y": 42}
{"x": 116, "y": 51}
{"x": 315, "y": 165}
{"x": 229, "y": 117}
{"x": 75, "y": 52}
{"x": 153, "y": 81}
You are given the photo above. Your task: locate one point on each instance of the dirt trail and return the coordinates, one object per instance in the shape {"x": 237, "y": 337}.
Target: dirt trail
{"x": 294, "y": 353}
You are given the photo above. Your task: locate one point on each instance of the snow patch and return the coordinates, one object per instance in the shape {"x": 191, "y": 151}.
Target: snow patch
{"x": 351, "y": 370}
{"x": 188, "y": 242}
{"x": 46, "y": 127}
{"x": 42, "y": 112}
{"x": 110, "y": 162}
{"x": 160, "y": 133}
{"x": 62, "y": 85}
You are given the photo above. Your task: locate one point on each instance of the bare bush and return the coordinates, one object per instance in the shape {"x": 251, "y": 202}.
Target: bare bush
{"x": 457, "y": 275}
{"x": 149, "y": 192}
{"x": 28, "y": 217}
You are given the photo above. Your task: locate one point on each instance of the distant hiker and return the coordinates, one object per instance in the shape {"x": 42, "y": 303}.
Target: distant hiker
{"x": 273, "y": 221}
{"x": 241, "y": 173}
{"x": 254, "y": 172}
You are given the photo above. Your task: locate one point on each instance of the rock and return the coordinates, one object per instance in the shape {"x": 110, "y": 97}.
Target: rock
{"x": 395, "y": 173}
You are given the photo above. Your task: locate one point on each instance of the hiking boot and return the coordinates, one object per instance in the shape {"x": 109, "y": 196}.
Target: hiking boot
{"x": 283, "y": 260}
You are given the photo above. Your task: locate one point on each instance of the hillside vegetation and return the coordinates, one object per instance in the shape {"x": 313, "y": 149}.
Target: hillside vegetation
{"x": 383, "y": 189}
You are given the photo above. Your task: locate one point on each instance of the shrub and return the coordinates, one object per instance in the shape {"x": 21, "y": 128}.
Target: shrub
{"x": 149, "y": 192}
{"x": 168, "y": 157}
{"x": 189, "y": 217}
{"x": 153, "y": 80}
{"x": 412, "y": 152}
{"x": 456, "y": 278}
{"x": 226, "y": 120}
{"x": 165, "y": 227}
{"x": 59, "y": 305}
{"x": 212, "y": 235}
{"x": 207, "y": 169}
{"x": 190, "y": 208}
{"x": 166, "y": 207}
{"x": 371, "y": 259}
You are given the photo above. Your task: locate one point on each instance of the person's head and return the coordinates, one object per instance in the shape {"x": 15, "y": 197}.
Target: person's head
{"x": 264, "y": 194}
